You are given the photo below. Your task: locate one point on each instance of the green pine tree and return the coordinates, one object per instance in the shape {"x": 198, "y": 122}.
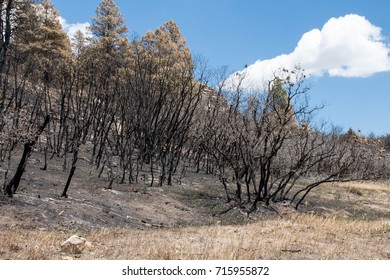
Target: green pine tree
{"x": 39, "y": 32}
{"x": 109, "y": 28}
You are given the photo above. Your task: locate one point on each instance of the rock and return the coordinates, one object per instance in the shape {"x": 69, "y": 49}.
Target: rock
{"x": 67, "y": 258}
{"x": 116, "y": 192}
{"x": 74, "y": 245}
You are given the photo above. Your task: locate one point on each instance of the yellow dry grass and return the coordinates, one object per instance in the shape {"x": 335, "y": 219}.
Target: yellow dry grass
{"x": 376, "y": 186}
{"x": 299, "y": 236}
{"x": 295, "y": 235}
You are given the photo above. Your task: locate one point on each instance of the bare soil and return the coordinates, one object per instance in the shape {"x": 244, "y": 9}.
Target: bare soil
{"x": 189, "y": 220}
{"x": 197, "y": 200}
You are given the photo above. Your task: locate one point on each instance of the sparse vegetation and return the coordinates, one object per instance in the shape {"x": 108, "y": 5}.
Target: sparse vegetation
{"x": 107, "y": 136}
{"x": 296, "y": 236}
{"x": 334, "y": 223}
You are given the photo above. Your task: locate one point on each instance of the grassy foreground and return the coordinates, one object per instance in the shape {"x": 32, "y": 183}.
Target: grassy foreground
{"x": 340, "y": 221}
{"x": 299, "y": 236}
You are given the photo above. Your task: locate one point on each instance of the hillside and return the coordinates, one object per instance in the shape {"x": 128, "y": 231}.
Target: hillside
{"x": 188, "y": 220}
{"x": 197, "y": 200}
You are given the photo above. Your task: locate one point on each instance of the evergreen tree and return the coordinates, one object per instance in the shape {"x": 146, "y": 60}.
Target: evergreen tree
{"x": 6, "y": 9}
{"x": 109, "y": 28}
{"x": 55, "y": 41}
{"x": 79, "y": 43}
{"x": 280, "y": 100}
{"x": 166, "y": 48}
{"x": 39, "y": 32}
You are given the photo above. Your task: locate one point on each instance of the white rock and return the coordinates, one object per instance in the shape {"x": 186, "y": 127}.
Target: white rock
{"x": 73, "y": 245}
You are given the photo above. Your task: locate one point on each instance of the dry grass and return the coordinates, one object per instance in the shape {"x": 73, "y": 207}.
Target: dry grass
{"x": 374, "y": 186}
{"x": 299, "y": 236}
{"x": 354, "y": 224}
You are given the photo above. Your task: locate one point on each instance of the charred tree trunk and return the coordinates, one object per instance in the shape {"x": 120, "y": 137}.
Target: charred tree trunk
{"x": 13, "y": 185}
{"x": 5, "y": 32}
{"x": 237, "y": 196}
{"x": 247, "y": 182}
{"x": 45, "y": 159}
{"x": 71, "y": 173}
{"x": 223, "y": 181}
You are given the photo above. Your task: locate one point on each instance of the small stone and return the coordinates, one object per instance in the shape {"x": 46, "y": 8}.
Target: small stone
{"x": 73, "y": 245}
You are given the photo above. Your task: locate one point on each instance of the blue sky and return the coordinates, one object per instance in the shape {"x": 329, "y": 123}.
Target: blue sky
{"x": 242, "y": 32}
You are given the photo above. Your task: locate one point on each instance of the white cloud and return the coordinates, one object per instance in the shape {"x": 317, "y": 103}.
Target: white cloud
{"x": 72, "y": 28}
{"x": 348, "y": 46}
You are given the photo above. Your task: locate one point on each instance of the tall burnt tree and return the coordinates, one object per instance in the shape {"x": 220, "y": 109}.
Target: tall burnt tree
{"x": 6, "y": 9}
{"x": 267, "y": 141}
{"x": 146, "y": 107}
{"x": 166, "y": 92}
{"x": 38, "y": 46}
{"x": 98, "y": 77}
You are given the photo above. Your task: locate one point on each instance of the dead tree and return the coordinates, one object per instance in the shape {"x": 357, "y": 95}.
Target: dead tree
{"x": 13, "y": 184}
{"x": 267, "y": 142}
